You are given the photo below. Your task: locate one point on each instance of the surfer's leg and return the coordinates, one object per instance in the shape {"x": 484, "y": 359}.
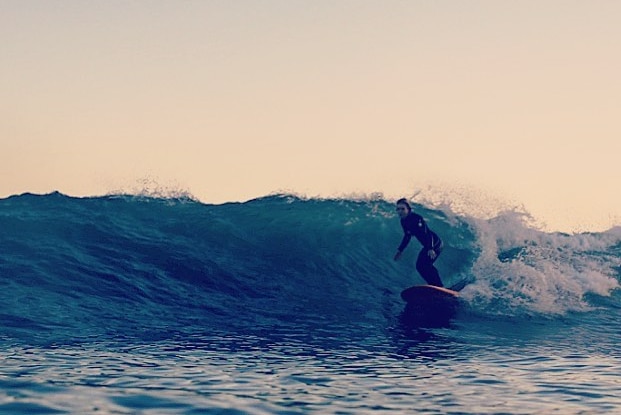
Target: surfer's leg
{"x": 424, "y": 266}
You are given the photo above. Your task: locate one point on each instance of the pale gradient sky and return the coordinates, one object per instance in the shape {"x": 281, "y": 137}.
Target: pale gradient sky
{"x": 231, "y": 100}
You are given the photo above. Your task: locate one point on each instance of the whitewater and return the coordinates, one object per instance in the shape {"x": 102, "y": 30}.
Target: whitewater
{"x": 128, "y": 304}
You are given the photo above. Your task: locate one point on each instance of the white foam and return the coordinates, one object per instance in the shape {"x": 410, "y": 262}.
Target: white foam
{"x": 523, "y": 269}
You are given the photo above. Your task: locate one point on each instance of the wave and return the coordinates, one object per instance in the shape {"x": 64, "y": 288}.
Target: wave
{"x": 123, "y": 264}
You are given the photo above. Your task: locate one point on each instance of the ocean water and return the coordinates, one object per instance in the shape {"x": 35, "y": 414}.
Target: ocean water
{"x": 287, "y": 305}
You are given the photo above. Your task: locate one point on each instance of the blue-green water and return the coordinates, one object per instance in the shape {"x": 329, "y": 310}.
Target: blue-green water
{"x": 128, "y": 305}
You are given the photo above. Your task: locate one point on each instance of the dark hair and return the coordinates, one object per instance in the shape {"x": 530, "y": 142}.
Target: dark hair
{"x": 404, "y": 201}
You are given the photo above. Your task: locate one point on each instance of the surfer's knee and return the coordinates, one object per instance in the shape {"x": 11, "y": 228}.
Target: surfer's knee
{"x": 420, "y": 267}
{"x": 423, "y": 262}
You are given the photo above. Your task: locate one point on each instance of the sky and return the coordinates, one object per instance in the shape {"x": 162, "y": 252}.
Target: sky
{"x": 517, "y": 102}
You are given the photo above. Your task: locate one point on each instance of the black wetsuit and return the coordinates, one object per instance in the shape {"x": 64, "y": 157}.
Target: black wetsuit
{"x": 414, "y": 224}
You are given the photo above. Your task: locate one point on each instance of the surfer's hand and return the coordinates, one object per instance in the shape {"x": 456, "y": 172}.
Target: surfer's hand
{"x": 397, "y": 255}
{"x": 432, "y": 254}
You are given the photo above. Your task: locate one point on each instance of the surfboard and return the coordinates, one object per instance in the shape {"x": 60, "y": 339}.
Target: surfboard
{"x": 428, "y": 294}
{"x": 429, "y": 306}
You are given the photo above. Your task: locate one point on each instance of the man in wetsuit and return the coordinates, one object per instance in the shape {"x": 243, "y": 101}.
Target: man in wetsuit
{"x": 414, "y": 224}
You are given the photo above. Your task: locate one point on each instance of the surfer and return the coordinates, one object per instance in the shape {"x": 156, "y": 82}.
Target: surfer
{"x": 414, "y": 224}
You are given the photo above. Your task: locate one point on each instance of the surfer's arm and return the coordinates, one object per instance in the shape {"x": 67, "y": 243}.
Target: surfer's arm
{"x": 404, "y": 242}
{"x": 407, "y": 235}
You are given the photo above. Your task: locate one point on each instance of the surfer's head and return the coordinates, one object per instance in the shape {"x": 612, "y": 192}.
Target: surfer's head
{"x": 403, "y": 207}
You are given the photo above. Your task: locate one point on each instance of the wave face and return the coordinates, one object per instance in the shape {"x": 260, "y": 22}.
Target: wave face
{"x": 73, "y": 269}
